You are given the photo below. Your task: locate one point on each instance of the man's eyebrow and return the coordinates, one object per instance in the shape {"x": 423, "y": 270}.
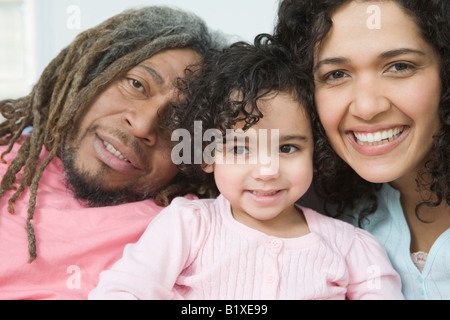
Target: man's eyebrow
{"x": 154, "y": 74}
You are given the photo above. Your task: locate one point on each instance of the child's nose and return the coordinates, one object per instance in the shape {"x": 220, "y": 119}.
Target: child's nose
{"x": 266, "y": 172}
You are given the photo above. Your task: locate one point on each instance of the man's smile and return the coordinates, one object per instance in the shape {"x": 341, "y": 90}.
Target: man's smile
{"x": 123, "y": 161}
{"x": 115, "y": 152}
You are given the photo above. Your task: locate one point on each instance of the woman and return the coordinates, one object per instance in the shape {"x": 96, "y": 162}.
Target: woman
{"x": 381, "y": 71}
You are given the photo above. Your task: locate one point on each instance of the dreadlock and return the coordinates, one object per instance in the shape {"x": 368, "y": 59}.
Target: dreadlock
{"x": 72, "y": 80}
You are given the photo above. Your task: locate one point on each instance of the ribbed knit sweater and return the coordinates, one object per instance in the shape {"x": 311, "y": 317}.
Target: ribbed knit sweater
{"x": 197, "y": 250}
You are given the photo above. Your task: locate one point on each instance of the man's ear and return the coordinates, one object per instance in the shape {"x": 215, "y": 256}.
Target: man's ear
{"x": 208, "y": 168}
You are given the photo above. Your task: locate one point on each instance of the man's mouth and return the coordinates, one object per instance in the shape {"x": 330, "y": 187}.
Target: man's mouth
{"x": 115, "y": 152}
{"x": 379, "y": 137}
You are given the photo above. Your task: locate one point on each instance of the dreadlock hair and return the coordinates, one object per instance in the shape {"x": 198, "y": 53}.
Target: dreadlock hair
{"x": 227, "y": 87}
{"x": 83, "y": 69}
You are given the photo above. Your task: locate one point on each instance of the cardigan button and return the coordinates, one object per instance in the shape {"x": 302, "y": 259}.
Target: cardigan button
{"x": 270, "y": 279}
{"x": 275, "y": 244}
{"x": 421, "y": 291}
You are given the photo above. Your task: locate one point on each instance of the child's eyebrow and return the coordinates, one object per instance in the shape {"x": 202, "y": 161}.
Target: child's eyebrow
{"x": 294, "y": 137}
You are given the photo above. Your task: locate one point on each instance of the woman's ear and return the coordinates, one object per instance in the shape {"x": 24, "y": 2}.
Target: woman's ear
{"x": 317, "y": 167}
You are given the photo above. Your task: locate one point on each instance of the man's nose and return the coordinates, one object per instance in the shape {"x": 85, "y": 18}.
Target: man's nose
{"x": 142, "y": 120}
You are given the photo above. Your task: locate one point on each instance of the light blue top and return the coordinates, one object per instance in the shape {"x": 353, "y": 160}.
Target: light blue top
{"x": 389, "y": 225}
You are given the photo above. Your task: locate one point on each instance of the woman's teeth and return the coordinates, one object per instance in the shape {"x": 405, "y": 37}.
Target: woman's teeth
{"x": 115, "y": 152}
{"x": 377, "y": 138}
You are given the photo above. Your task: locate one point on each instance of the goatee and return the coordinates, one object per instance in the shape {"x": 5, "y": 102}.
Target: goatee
{"x": 89, "y": 189}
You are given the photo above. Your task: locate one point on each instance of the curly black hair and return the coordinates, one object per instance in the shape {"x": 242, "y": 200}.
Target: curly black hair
{"x": 252, "y": 71}
{"x": 302, "y": 25}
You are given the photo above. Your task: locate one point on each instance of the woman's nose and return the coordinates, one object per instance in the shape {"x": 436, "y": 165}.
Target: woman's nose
{"x": 368, "y": 99}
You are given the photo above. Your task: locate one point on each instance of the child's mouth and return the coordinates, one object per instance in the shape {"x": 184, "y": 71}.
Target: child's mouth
{"x": 264, "y": 193}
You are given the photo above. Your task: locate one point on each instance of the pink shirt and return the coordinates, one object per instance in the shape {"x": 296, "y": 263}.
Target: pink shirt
{"x": 197, "y": 250}
{"x": 74, "y": 243}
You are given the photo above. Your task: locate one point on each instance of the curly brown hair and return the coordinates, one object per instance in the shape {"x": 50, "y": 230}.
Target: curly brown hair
{"x": 82, "y": 70}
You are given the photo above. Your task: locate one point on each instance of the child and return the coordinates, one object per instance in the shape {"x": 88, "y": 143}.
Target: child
{"x": 252, "y": 242}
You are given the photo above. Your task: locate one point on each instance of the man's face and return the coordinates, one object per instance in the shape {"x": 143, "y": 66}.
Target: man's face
{"x": 118, "y": 153}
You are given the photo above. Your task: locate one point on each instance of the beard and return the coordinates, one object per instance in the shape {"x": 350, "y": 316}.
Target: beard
{"x": 89, "y": 188}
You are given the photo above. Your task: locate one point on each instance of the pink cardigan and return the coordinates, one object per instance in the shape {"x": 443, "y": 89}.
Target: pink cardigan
{"x": 196, "y": 250}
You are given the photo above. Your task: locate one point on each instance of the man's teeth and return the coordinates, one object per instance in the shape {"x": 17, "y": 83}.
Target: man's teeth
{"x": 377, "y": 138}
{"x": 111, "y": 149}
{"x": 264, "y": 194}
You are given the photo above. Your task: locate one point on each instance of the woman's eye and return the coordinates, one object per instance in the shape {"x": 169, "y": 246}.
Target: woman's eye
{"x": 288, "y": 149}
{"x": 335, "y": 76}
{"x": 401, "y": 67}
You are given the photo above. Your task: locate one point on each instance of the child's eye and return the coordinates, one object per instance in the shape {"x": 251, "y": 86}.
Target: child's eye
{"x": 240, "y": 150}
{"x": 288, "y": 149}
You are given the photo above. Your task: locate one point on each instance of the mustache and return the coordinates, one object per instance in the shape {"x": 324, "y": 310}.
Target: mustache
{"x": 129, "y": 140}
{"x": 126, "y": 139}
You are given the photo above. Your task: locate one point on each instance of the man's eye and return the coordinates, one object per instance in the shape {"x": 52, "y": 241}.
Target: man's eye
{"x": 136, "y": 84}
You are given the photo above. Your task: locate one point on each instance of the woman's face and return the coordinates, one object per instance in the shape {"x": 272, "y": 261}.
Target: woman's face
{"x": 378, "y": 90}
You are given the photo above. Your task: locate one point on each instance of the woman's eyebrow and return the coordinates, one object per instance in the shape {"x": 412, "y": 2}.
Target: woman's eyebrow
{"x": 383, "y": 55}
{"x": 398, "y": 52}
{"x": 337, "y": 60}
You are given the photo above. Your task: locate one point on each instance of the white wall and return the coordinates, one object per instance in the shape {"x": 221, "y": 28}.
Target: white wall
{"x": 59, "y": 21}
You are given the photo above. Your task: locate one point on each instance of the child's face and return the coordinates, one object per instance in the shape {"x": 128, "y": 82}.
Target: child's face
{"x": 268, "y": 184}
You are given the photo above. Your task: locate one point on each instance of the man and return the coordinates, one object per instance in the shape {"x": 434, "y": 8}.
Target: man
{"x": 76, "y": 186}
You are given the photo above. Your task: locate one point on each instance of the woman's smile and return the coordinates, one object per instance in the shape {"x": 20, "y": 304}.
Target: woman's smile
{"x": 379, "y": 108}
